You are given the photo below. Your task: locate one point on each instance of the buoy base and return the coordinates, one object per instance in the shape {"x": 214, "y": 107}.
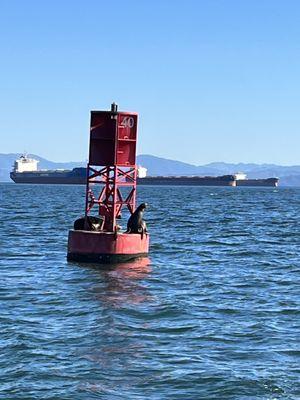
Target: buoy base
{"x": 106, "y": 247}
{"x": 104, "y": 258}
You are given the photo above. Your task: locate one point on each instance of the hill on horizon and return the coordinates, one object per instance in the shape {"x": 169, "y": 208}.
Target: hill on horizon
{"x": 289, "y": 175}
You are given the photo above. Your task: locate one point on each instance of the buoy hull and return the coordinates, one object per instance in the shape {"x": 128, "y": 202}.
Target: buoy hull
{"x": 106, "y": 247}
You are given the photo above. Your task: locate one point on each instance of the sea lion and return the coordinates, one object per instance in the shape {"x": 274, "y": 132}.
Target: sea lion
{"x": 135, "y": 223}
{"x": 89, "y": 223}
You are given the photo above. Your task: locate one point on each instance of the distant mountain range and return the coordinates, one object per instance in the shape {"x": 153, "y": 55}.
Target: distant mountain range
{"x": 289, "y": 175}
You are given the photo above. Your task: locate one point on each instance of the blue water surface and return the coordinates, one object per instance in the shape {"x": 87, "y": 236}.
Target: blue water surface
{"x": 213, "y": 313}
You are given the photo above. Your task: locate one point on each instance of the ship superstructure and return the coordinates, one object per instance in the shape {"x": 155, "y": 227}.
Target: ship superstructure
{"x": 25, "y": 164}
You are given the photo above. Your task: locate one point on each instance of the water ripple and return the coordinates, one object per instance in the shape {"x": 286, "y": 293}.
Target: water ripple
{"x": 213, "y": 313}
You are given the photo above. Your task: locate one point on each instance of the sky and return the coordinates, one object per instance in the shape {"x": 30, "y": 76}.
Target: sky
{"x": 213, "y": 80}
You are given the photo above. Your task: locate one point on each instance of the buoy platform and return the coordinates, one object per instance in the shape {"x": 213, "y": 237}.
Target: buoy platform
{"x": 110, "y": 187}
{"x": 106, "y": 247}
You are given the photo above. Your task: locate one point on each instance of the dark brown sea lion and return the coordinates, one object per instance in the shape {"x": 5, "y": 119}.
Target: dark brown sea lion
{"x": 89, "y": 223}
{"x": 135, "y": 223}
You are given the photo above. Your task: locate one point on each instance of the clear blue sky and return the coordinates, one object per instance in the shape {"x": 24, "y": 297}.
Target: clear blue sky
{"x": 212, "y": 80}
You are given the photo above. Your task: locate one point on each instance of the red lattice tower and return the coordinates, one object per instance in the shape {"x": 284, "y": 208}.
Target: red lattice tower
{"x": 112, "y": 164}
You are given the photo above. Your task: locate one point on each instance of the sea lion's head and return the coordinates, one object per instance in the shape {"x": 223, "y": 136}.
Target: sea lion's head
{"x": 142, "y": 207}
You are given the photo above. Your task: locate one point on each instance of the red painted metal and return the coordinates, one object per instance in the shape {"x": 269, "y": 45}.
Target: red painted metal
{"x": 111, "y": 167}
{"x": 89, "y": 242}
{"x": 113, "y": 138}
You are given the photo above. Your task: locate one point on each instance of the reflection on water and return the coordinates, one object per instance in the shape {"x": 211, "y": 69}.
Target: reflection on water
{"x": 136, "y": 269}
{"x": 115, "y": 347}
{"x": 119, "y": 284}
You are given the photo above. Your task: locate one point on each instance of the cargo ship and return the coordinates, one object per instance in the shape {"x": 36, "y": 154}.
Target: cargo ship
{"x": 25, "y": 171}
{"x": 273, "y": 182}
{"x": 242, "y": 180}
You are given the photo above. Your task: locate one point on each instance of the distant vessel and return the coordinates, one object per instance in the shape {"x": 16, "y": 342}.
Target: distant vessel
{"x": 242, "y": 180}
{"x": 25, "y": 171}
{"x": 258, "y": 182}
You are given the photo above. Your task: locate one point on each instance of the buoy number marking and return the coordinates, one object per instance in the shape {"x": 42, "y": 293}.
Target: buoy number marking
{"x": 128, "y": 122}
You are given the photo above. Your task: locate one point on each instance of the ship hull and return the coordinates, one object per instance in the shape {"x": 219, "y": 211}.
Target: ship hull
{"x": 188, "y": 181}
{"x": 77, "y": 176}
{"x": 49, "y": 180}
{"x": 272, "y": 182}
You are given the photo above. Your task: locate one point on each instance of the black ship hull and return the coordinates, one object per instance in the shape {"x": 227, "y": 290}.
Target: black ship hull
{"x": 273, "y": 182}
{"x": 226, "y": 180}
{"x": 76, "y": 176}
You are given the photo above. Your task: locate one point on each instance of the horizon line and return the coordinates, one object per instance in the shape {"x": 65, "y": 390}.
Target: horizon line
{"x": 165, "y": 158}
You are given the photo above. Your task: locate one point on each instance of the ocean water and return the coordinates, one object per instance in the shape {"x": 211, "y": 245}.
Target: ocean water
{"x": 213, "y": 313}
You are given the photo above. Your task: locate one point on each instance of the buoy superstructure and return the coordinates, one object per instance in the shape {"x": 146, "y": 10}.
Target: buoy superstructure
{"x": 110, "y": 186}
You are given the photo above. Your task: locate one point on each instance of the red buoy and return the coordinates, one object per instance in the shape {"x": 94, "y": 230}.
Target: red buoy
{"x": 110, "y": 186}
